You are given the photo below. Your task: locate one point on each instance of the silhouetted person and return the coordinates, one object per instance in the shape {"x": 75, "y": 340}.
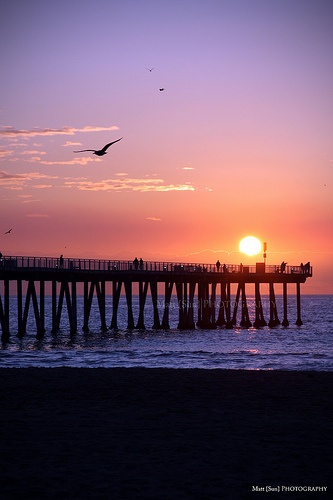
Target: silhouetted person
{"x": 136, "y": 263}
{"x": 61, "y": 261}
{"x": 141, "y": 264}
{"x": 283, "y": 267}
{"x": 307, "y": 268}
{"x": 302, "y": 268}
{"x": 225, "y": 268}
{"x": 218, "y": 265}
{"x": 99, "y": 152}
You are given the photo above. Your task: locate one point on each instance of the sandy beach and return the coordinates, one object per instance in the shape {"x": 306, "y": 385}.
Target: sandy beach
{"x": 163, "y": 433}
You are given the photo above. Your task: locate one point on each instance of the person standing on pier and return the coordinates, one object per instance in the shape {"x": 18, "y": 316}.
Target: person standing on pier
{"x": 61, "y": 261}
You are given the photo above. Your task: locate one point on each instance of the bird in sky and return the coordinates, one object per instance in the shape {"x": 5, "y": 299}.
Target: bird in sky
{"x": 150, "y": 69}
{"x": 161, "y": 90}
{"x": 9, "y": 231}
{"x": 99, "y": 152}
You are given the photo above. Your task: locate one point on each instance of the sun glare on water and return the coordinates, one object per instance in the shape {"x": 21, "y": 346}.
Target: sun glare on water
{"x": 250, "y": 245}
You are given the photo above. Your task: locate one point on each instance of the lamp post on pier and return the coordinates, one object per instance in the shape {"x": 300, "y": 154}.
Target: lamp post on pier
{"x": 265, "y": 250}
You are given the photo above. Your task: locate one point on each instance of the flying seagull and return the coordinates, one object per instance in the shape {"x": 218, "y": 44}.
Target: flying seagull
{"x": 99, "y": 152}
{"x": 9, "y": 230}
{"x": 150, "y": 69}
{"x": 161, "y": 90}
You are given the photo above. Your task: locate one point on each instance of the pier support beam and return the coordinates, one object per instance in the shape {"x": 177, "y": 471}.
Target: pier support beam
{"x": 20, "y": 328}
{"x": 143, "y": 289}
{"x": 221, "y": 318}
{"x": 259, "y": 319}
{"x": 55, "y": 326}
{"x": 74, "y": 309}
{"x": 229, "y": 324}
{"x": 6, "y": 303}
{"x": 154, "y": 296}
{"x": 4, "y": 324}
{"x": 245, "y": 320}
{"x": 213, "y": 306}
{"x": 167, "y": 300}
{"x": 38, "y": 311}
{"x": 206, "y": 312}
{"x": 185, "y": 297}
{"x": 86, "y": 307}
{"x": 299, "y": 322}
{"x": 273, "y": 316}
{"x": 70, "y": 303}
{"x": 99, "y": 287}
{"x": 285, "y": 321}
{"x": 4, "y": 313}
{"x": 234, "y": 316}
{"x": 129, "y": 300}
{"x": 116, "y": 289}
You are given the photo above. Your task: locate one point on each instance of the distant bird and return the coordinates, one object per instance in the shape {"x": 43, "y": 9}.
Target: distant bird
{"x": 9, "y": 231}
{"x": 99, "y": 152}
{"x": 161, "y": 90}
{"x": 150, "y": 69}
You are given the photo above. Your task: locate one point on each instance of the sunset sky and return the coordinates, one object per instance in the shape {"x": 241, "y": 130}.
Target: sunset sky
{"x": 238, "y": 143}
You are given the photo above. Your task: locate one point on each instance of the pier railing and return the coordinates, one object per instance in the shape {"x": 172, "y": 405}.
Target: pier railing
{"x": 74, "y": 264}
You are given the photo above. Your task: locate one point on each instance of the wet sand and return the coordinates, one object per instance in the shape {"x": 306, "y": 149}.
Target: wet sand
{"x": 163, "y": 434}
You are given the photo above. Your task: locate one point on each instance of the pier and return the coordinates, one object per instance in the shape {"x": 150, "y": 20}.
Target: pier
{"x": 203, "y": 292}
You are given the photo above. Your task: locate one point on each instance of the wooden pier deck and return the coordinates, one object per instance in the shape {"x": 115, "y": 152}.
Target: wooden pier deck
{"x": 27, "y": 278}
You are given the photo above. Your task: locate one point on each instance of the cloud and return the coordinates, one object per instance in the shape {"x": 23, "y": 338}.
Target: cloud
{"x": 37, "y": 215}
{"x": 121, "y": 183}
{"x": 154, "y": 218}
{"x": 76, "y": 161}
{"x": 33, "y": 152}
{"x": 5, "y": 175}
{"x": 128, "y": 184}
{"x": 31, "y": 201}
{"x": 5, "y": 152}
{"x": 187, "y": 168}
{"x": 34, "y": 159}
{"x": 71, "y": 143}
{"x": 16, "y": 181}
{"x": 9, "y": 131}
{"x": 75, "y": 179}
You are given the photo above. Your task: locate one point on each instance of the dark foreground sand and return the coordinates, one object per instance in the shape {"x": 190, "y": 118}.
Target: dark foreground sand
{"x": 163, "y": 434}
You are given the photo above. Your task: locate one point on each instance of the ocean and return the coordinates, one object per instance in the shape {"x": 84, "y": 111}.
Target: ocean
{"x": 306, "y": 347}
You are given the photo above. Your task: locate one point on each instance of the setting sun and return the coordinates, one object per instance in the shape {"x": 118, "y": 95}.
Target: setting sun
{"x": 250, "y": 245}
